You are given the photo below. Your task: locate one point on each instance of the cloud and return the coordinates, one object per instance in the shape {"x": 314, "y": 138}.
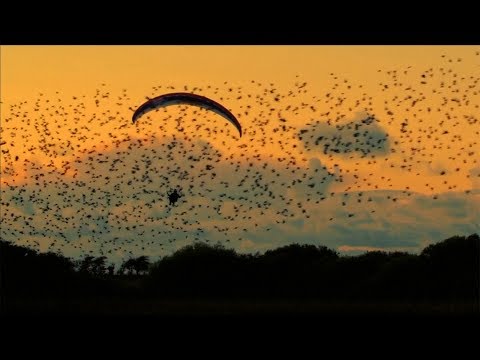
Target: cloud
{"x": 116, "y": 205}
{"x": 117, "y": 198}
{"x": 388, "y": 225}
{"x": 360, "y": 136}
{"x": 362, "y": 249}
{"x": 475, "y": 177}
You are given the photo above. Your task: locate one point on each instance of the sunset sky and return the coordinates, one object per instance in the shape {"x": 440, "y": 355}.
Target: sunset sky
{"x": 356, "y": 148}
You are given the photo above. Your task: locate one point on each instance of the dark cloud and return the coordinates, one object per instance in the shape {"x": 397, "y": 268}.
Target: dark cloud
{"x": 361, "y": 136}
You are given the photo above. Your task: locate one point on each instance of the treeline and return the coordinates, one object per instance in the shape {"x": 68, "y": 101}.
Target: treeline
{"x": 444, "y": 272}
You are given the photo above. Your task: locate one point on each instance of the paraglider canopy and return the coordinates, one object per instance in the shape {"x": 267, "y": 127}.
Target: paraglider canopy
{"x": 188, "y": 99}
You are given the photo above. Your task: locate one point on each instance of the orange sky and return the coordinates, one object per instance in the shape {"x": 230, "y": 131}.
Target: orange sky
{"x": 79, "y": 70}
{"x": 27, "y": 70}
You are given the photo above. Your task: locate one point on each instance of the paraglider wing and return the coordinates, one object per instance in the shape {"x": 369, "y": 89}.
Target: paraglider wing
{"x": 188, "y": 99}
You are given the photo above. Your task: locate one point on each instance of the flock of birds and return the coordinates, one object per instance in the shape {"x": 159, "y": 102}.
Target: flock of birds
{"x": 78, "y": 177}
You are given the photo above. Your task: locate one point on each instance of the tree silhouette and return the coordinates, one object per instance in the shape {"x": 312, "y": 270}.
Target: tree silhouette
{"x": 198, "y": 269}
{"x": 28, "y": 272}
{"x": 453, "y": 267}
{"x": 86, "y": 265}
{"x": 127, "y": 266}
{"x": 141, "y": 264}
{"x": 444, "y": 274}
{"x": 93, "y": 265}
{"x": 99, "y": 266}
{"x": 138, "y": 265}
{"x": 111, "y": 270}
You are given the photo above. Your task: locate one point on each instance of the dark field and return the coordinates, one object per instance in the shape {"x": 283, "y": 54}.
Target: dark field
{"x": 219, "y": 307}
